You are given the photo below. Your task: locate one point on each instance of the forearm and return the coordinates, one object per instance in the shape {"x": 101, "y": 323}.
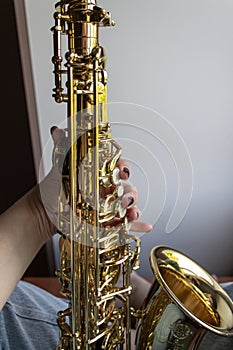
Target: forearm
{"x": 140, "y": 289}
{"x": 24, "y": 228}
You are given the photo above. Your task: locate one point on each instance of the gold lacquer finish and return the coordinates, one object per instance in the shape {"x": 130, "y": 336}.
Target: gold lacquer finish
{"x": 93, "y": 251}
{"x": 184, "y": 302}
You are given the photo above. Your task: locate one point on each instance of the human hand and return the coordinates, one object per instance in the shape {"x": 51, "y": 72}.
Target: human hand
{"x": 50, "y": 189}
{"x": 130, "y": 200}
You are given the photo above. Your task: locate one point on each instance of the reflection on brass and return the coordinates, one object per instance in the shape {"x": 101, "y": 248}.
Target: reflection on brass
{"x": 190, "y": 296}
{"x": 184, "y": 302}
{"x": 95, "y": 253}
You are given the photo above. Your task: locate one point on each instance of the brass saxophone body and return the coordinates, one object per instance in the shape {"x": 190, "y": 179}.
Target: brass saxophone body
{"x": 94, "y": 253}
{"x": 184, "y": 302}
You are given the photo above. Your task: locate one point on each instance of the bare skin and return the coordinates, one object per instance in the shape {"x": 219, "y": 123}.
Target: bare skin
{"x": 26, "y": 226}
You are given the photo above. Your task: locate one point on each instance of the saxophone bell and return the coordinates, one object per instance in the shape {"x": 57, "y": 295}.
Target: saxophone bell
{"x": 184, "y": 302}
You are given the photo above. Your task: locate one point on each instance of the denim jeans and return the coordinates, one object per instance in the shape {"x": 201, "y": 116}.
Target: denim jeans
{"x": 212, "y": 341}
{"x": 28, "y": 321}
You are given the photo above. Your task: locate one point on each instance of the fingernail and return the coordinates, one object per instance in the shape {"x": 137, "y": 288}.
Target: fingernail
{"x": 130, "y": 201}
{"x": 52, "y": 129}
{"x": 126, "y": 171}
{"x": 127, "y": 201}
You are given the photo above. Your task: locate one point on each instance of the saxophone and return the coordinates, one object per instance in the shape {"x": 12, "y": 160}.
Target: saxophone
{"x": 95, "y": 254}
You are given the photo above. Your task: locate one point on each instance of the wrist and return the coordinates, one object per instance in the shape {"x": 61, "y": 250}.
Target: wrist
{"x": 45, "y": 227}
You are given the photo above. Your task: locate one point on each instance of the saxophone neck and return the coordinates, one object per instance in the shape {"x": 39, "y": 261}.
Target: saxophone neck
{"x": 85, "y": 19}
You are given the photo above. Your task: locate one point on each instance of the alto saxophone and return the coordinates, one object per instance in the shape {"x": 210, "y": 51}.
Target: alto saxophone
{"x": 94, "y": 252}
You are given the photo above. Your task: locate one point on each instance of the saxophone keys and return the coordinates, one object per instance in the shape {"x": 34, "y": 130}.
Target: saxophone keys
{"x": 116, "y": 180}
{"x": 120, "y": 191}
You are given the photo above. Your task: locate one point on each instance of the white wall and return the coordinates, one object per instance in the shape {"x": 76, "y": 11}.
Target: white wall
{"x": 175, "y": 58}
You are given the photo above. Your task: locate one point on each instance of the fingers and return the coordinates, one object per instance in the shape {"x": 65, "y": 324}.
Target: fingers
{"x": 130, "y": 196}
{"x": 133, "y": 214}
{"x": 124, "y": 169}
{"x": 140, "y": 226}
{"x": 129, "y": 201}
{"x": 57, "y": 134}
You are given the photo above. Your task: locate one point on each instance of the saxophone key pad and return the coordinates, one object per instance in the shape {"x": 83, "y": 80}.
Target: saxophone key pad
{"x": 116, "y": 176}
